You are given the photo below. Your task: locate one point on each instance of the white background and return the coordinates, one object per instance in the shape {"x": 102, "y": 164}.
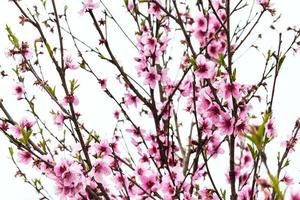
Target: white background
{"x": 286, "y": 105}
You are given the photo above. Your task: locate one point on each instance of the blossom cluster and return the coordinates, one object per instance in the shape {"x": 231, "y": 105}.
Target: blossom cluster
{"x": 180, "y": 124}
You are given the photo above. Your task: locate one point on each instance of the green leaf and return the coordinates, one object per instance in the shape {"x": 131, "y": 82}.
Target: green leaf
{"x": 12, "y": 37}
{"x": 26, "y": 136}
{"x": 253, "y": 151}
{"x": 255, "y": 138}
{"x": 287, "y": 163}
{"x": 280, "y": 62}
{"x": 51, "y": 90}
{"x": 43, "y": 145}
{"x": 74, "y": 85}
{"x": 50, "y": 51}
{"x": 234, "y": 74}
{"x": 11, "y": 152}
{"x": 221, "y": 60}
{"x": 65, "y": 9}
{"x": 37, "y": 183}
{"x": 275, "y": 185}
{"x": 223, "y": 194}
{"x": 194, "y": 63}
{"x": 44, "y": 3}
{"x": 269, "y": 54}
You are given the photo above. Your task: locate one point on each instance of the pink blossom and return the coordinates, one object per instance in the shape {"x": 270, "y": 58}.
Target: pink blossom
{"x": 208, "y": 195}
{"x": 214, "y": 147}
{"x": 201, "y": 23}
{"x": 231, "y": 90}
{"x": 213, "y": 50}
{"x": 265, "y": 3}
{"x": 247, "y": 158}
{"x": 69, "y": 63}
{"x": 25, "y": 123}
{"x": 120, "y": 180}
{"x": 214, "y": 24}
{"x": 200, "y": 172}
{"x": 88, "y": 5}
{"x": 186, "y": 87}
{"x": 149, "y": 183}
{"x": 155, "y": 10}
{"x": 206, "y": 126}
{"x": 69, "y": 178}
{"x": 141, "y": 169}
{"x": 70, "y": 99}
{"x": 167, "y": 108}
{"x": 205, "y": 68}
{"x": 142, "y": 66}
{"x": 295, "y": 196}
{"x": 61, "y": 167}
{"x": 270, "y": 129}
{"x": 214, "y": 112}
{"x": 164, "y": 76}
{"x": 25, "y": 51}
{"x": 137, "y": 132}
{"x": 287, "y": 180}
{"x": 3, "y": 125}
{"x": 99, "y": 170}
{"x": 24, "y": 157}
{"x": 59, "y": 119}
{"x": 222, "y": 15}
{"x": 17, "y": 131}
{"x": 131, "y": 99}
{"x": 204, "y": 102}
{"x": 151, "y": 77}
{"x": 163, "y": 44}
{"x": 101, "y": 149}
{"x": 130, "y": 5}
{"x": 245, "y": 193}
{"x": 200, "y": 36}
{"x": 241, "y": 126}
{"x": 147, "y": 44}
{"x": 117, "y": 114}
{"x": 226, "y": 124}
{"x": 217, "y": 4}
{"x": 103, "y": 83}
{"x": 19, "y": 90}
{"x": 167, "y": 186}
{"x": 45, "y": 168}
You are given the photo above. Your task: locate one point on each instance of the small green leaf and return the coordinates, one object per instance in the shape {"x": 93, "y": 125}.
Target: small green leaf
{"x": 223, "y": 194}
{"x": 26, "y": 136}
{"x": 275, "y": 185}
{"x": 44, "y": 3}
{"x": 194, "y": 63}
{"x": 287, "y": 163}
{"x": 234, "y": 74}
{"x": 280, "y": 62}
{"x": 65, "y": 8}
{"x": 11, "y": 152}
{"x": 12, "y": 37}
{"x": 43, "y": 145}
{"x": 51, "y": 90}
{"x": 221, "y": 60}
{"x": 50, "y": 51}
{"x": 74, "y": 85}
{"x": 37, "y": 183}
{"x": 253, "y": 151}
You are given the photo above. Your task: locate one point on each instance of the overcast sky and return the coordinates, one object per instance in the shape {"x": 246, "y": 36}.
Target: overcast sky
{"x": 286, "y": 105}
